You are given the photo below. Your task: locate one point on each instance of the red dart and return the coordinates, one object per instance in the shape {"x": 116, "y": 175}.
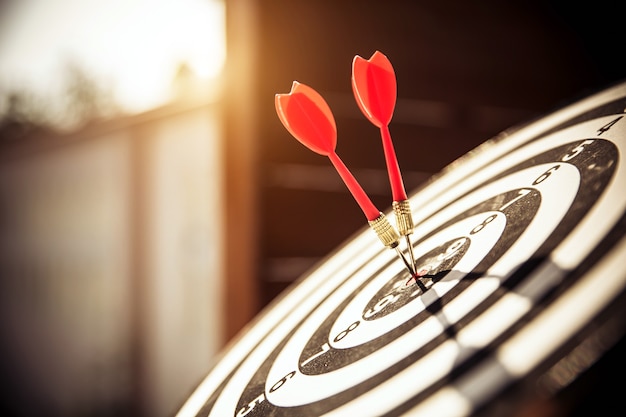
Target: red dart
{"x": 306, "y": 115}
{"x": 374, "y": 87}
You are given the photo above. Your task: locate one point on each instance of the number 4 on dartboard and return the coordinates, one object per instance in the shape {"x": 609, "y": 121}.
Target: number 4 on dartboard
{"x": 608, "y": 126}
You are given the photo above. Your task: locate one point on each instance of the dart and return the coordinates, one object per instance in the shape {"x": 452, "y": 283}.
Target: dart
{"x": 307, "y": 117}
{"x": 374, "y": 87}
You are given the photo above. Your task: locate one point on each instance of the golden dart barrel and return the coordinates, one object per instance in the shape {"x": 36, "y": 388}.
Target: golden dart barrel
{"x": 404, "y": 219}
{"x": 385, "y": 231}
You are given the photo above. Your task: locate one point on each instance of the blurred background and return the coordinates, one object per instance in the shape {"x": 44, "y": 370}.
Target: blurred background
{"x": 151, "y": 203}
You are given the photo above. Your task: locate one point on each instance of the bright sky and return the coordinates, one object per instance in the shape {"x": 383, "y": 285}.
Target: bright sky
{"x": 135, "y": 44}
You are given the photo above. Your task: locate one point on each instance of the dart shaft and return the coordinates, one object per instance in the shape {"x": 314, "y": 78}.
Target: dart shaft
{"x": 393, "y": 169}
{"x": 370, "y": 211}
{"x": 401, "y": 207}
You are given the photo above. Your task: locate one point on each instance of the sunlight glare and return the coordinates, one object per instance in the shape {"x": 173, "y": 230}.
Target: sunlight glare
{"x": 134, "y": 46}
{"x": 190, "y": 32}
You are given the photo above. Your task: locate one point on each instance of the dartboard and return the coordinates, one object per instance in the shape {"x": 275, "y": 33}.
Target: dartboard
{"x": 523, "y": 245}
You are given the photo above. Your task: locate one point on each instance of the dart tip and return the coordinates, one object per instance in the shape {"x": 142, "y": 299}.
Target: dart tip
{"x": 416, "y": 276}
{"x": 404, "y": 260}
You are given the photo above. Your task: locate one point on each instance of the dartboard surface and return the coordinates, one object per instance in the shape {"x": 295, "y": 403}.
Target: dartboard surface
{"x": 523, "y": 243}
